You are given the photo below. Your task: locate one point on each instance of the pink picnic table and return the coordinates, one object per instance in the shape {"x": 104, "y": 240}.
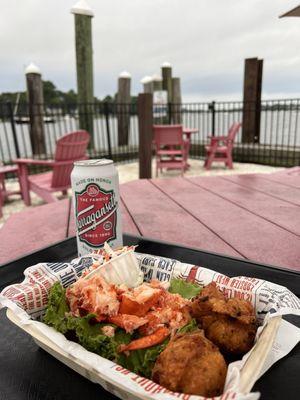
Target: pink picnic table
{"x": 189, "y": 131}
{"x": 254, "y": 216}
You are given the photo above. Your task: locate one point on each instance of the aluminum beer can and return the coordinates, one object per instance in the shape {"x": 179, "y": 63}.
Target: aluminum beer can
{"x": 96, "y": 201}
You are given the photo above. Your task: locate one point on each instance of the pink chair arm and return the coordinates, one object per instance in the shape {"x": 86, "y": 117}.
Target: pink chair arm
{"x": 46, "y": 163}
{"x": 217, "y": 138}
{"x": 34, "y": 162}
{"x": 190, "y": 130}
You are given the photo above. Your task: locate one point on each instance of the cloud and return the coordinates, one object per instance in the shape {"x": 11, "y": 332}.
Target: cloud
{"x": 205, "y": 40}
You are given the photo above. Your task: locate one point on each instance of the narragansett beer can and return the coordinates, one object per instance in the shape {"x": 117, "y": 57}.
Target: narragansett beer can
{"x": 96, "y": 200}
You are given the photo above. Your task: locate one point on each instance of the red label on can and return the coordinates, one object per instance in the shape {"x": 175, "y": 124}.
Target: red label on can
{"x": 96, "y": 215}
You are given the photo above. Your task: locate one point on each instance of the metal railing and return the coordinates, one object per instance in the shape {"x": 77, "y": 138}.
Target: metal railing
{"x": 108, "y": 119}
{"x": 270, "y": 135}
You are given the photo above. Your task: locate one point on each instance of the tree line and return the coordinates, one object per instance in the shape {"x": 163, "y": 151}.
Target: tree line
{"x": 54, "y": 97}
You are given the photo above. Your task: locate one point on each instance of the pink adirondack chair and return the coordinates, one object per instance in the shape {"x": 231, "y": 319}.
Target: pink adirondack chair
{"x": 170, "y": 147}
{"x": 69, "y": 148}
{"x": 4, "y": 192}
{"x": 220, "y": 147}
{"x": 1, "y": 202}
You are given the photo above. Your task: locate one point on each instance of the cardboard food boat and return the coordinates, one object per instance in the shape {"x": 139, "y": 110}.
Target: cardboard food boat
{"x": 125, "y": 269}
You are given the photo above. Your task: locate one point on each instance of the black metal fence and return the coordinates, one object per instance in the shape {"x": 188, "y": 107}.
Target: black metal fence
{"x": 269, "y": 135}
{"x": 15, "y": 128}
{"x": 273, "y": 138}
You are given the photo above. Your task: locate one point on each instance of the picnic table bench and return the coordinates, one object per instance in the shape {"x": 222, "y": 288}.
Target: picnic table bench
{"x": 254, "y": 216}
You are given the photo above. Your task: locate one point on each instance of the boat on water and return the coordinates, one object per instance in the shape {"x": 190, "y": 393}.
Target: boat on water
{"x": 26, "y": 120}
{"x": 22, "y": 119}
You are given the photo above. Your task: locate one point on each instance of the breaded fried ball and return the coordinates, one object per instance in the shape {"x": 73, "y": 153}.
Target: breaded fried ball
{"x": 228, "y": 323}
{"x": 231, "y": 336}
{"x": 191, "y": 364}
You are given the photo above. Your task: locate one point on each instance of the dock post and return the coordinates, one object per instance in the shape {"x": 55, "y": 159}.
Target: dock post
{"x": 36, "y": 109}
{"x": 176, "y": 101}
{"x": 123, "y": 108}
{"x": 166, "y": 71}
{"x": 145, "y": 117}
{"x": 147, "y": 84}
{"x": 157, "y": 83}
{"x": 84, "y": 64}
{"x": 252, "y": 100}
{"x": 160, "y": 110}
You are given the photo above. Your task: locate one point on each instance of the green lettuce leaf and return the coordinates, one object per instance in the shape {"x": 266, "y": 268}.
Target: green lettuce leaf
{"x": 91, "y": 337}
{"x": 186, "y": 289}
{"x": 142, "y": 361}
{"x": 57, "y": 308}
{"x": 190, "y": 327}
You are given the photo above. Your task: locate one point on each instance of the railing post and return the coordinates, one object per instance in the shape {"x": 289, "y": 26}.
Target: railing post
{"x": 106, "y": 113}
{"x": 145, "y": 117}
{"x": 13, "y": 127}
{"x": 211, "y": 108}
{"x": 170, "y": 112}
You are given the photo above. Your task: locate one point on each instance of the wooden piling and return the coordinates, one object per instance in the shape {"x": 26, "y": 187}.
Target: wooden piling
{"x": 123, "y": 108}
{"x": 36, "y": 109}
{"x": 176, "y": 101}
{"x": 147, "y": 84}
{"x": 159, "y": 107}
{"x": 145, "y": 117}
{"x": 166, "y": 71}
{"x": 84, "y": 64}
{"x": 157, "y": 83}
{"x": 252, "y": 100}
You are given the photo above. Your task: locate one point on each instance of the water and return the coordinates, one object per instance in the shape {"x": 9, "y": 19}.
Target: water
{"x": 278, "y": 127}
{"x": 54, "y": 131}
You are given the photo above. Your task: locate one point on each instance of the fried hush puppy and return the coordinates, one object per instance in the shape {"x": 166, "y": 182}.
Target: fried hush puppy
{"x": 191, "y": 364}
{"x": 228, "y": 323}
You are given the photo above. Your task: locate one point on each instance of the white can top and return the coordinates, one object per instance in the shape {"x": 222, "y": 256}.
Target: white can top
{"x": 93, "y": 163}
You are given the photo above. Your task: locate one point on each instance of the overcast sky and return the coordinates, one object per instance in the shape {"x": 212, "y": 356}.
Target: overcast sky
{"x": 206, "y": 41}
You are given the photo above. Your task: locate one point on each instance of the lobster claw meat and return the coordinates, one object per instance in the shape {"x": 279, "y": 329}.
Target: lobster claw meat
{"x": 146, "y": 341}
{"x": 127, "y": 322}
{"x": 139, "y": 306}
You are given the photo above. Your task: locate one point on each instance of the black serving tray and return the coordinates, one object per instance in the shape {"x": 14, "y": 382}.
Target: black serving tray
{"x": 27, "y": 372}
